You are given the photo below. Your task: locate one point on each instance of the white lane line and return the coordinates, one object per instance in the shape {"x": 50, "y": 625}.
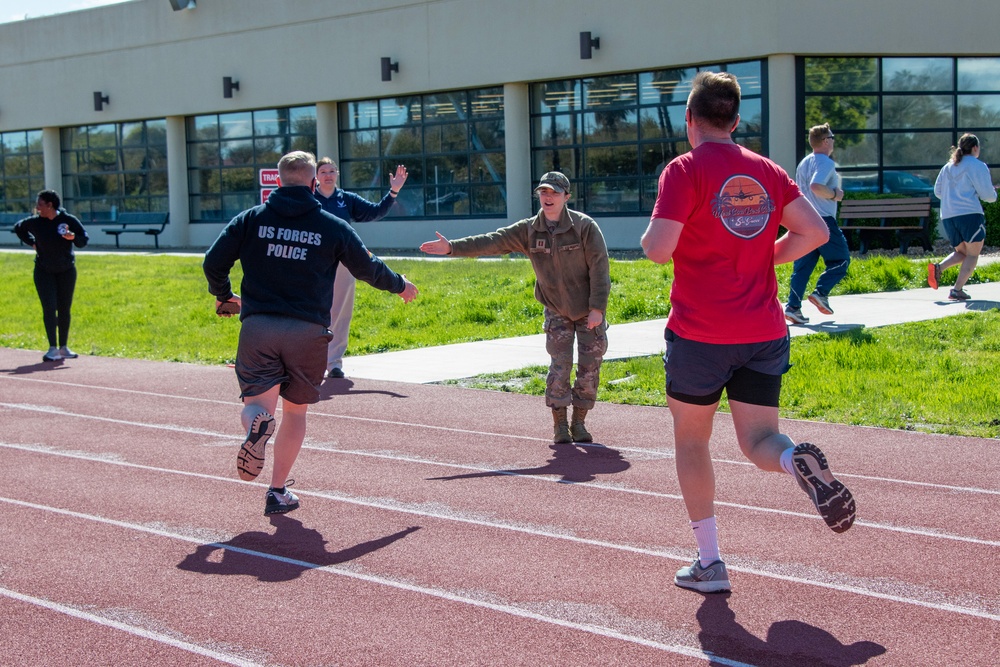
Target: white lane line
{"x": 650, "y": 454}
{"x": 423, "y": 511}
{"x": 129, "y": 629}
{"x": 906, "y": 530}
{"x": 338, "y": 570}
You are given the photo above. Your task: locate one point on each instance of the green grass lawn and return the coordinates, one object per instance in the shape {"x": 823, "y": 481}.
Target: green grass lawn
{"x": 933, "y": 376}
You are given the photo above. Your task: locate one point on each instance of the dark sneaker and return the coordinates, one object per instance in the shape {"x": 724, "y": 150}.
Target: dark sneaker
{"x": 795, "y": 316}
{"x": 821, "y": 302}
{"x": 933, "y": 275}
{"x": 958, "y": 295}
{"x": 711, "y": 579}
{"x": 335, "y": 373}
{"x": 832, "y": 499}
{"x": 250, "y": 460}
{"x": 280, "y": 501}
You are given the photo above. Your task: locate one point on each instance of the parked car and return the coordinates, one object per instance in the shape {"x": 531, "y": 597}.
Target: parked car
{"x": 896, "y": 182}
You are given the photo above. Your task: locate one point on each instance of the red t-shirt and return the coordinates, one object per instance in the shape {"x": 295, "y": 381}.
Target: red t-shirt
{"x": 730, "y": 201}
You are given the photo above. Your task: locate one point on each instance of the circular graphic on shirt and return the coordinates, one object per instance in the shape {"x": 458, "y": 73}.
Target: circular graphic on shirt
{"x": 743, "y": 206}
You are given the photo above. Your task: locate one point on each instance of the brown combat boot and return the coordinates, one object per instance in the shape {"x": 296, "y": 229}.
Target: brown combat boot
{"x": 577, "y": 429}
{"x": 560, "y": 427}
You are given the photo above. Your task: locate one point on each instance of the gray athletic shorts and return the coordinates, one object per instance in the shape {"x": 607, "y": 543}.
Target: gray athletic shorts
{"x": 970, "y": 227}
{"x": 275, "y": 350}
{"x": 749, "y": 372}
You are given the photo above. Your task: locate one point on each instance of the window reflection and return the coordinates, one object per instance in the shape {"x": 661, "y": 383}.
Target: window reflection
{"x": 612, "y": 135}
{"x": 447, "y": 141}
{"x": 22, "y": 170}
{"x": 895, "y": 138}
{"x": 111, "y": 168}
{"x": 227, "y": 151}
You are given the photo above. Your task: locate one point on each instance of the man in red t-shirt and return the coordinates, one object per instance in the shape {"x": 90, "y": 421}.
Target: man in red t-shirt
{"x": 717, "y": 218}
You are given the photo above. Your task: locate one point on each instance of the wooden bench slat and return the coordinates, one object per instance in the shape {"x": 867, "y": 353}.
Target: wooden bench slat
{"x": 918, "y": 208}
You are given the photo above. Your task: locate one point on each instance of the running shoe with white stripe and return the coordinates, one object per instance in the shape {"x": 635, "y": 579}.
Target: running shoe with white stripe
{"x": 833, "y": 500}
{"x": 250, "y": 460}
{"x": 711, "y": 579}
{"x": 280, "y": 501}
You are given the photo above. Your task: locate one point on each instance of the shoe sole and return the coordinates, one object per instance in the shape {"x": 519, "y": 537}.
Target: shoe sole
{"x": 281, "y": 509}
{"x": 826, "y": 310}
{"x": 932, "y": 276}
{"x": 704, "y": 586}
{"x": 832, "y": 499}
{"x": 250, "y": 460}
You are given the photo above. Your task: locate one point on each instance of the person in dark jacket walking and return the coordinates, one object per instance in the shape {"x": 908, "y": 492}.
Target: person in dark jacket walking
{"x": 289, "y": 249}
{"x": 53, "y": 233}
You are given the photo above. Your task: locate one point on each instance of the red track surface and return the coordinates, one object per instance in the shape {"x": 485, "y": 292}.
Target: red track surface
{"x": 440, "y": 526}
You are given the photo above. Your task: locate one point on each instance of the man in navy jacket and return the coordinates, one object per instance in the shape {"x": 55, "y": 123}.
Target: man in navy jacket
{"x": 289, "y": 249}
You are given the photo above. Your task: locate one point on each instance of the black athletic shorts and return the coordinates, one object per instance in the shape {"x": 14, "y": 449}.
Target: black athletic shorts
{"x": 749, "y": 372}
{"x": 275, "y": 350}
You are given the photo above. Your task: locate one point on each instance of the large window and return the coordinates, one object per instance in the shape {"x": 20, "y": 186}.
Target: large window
{"x": 452, "y": 145}
{"x": 22, "y": 170}
{"x": 227, "y": 151}
{"x": 114, "y": 167}
{"x": 897, "y": 118}
{"x": 612, "y": 135}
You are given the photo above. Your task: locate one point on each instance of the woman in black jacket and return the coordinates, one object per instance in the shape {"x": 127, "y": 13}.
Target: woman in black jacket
{"x": 53, "y": 233}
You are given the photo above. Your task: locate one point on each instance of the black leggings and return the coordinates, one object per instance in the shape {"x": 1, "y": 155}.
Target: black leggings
{"x": 55, "y": 291}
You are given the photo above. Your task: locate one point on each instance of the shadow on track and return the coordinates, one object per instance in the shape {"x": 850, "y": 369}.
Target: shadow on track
{"x": 282, "y": 556}
{"x": 574, "y": 463}
{"x": 788, "y": 643}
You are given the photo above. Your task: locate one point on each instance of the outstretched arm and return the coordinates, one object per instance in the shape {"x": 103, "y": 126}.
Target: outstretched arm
{"x": 441, "y": 246}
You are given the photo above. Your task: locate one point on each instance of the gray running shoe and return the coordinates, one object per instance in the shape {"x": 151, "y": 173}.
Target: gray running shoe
{"x": 711, "y": 579}
{"x": 958, "y": 295}
{"x": 832, "y": 499}
{"x": 821, "y": 302}
{"x": 280, "y": 501}
{"x": 795, "y": 316}
{"x": 250, "y": 460}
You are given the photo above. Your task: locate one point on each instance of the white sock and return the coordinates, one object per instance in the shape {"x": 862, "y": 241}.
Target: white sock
{"x": 707, "y": 535}
{"x": 787, "y": 464}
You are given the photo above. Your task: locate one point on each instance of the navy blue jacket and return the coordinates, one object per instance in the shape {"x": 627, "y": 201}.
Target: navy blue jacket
{"x": 353, "y": 207}
{"x": 289, "y": 248}
{"x": 53, "y": 253}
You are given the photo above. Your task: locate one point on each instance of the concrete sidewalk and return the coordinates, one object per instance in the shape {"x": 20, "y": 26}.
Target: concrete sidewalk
{"x": 451, "y": 362}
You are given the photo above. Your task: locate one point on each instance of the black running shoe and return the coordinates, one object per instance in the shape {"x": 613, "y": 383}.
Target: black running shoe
{"x": 832, "y": 499}
{"x": 280, "y": 501}
{"x": 250, "y": 460}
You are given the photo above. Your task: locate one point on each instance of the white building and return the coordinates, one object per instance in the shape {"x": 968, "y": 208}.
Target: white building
{"x": 141, "y": 106}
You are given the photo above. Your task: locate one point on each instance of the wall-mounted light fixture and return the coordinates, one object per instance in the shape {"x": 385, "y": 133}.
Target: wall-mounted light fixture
{"x": 228, "y": 86}
{"x": 388, "y": 67}
{"x": 100, "y": 100}
{"x": 178, "y": 5}
{"x": 587, "y": 44}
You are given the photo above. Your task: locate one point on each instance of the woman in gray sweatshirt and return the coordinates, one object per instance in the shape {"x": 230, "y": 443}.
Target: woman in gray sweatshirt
{"x": 962, "y": 182}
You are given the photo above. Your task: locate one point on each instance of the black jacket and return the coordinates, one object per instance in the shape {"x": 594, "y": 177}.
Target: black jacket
{"x": 53, "y": 253}
{"x": 289, "y": 249}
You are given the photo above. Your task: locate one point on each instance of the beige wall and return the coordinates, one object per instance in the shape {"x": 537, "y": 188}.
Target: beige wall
{"x": 154, "y": 62}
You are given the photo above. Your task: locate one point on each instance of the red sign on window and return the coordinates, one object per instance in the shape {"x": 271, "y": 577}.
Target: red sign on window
{"x": 268, "y": 178}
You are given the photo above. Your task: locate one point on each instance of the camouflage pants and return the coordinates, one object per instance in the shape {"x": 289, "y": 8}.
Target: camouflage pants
{"x": 591, "y": 346}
